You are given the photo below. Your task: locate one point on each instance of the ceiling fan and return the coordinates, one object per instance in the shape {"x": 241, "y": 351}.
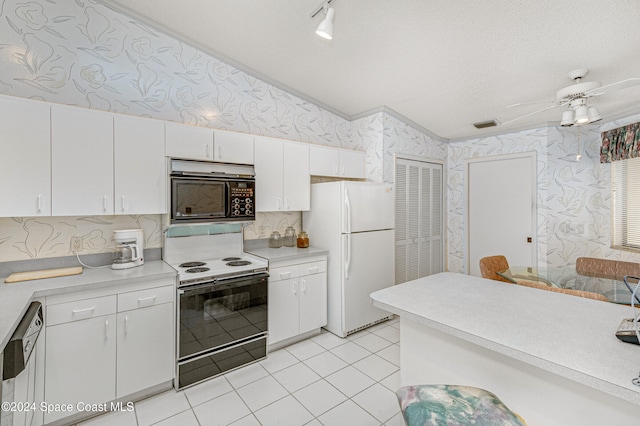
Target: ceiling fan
{"x": 577, "y": 99}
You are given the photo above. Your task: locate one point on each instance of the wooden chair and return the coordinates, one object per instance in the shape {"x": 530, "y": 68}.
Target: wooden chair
{"x": 606, "y": 268}
{"x": 436, "y": 405}
{"x": 491, "y": 264}
{"x": 571, "y": 291}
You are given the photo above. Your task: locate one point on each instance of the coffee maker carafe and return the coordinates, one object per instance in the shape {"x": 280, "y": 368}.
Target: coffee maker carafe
{"x": 129, "y": 248}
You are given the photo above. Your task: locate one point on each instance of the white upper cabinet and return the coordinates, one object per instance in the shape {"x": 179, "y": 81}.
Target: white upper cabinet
{"x": 140, "y": 166}
{"x": 352, "y": 164}
{"x": 188, "y": 142}
{"x": 81, "y": 161}
{"x": 325, "y": 161}
{"x": 282, "y": 175}
{"x": 232, "y": 147}
{"x": 25, "y": 159}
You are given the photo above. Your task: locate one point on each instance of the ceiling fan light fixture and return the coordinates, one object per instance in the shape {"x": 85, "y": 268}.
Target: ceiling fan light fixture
{"x": 582, "y": 117}
{"x": 325, "y": 29}
{"x": 567, "y": 118}
{"x": 594, "y": 114}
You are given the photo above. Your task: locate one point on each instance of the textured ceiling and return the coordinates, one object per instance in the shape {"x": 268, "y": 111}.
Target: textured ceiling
{"x": 443, "y": 64}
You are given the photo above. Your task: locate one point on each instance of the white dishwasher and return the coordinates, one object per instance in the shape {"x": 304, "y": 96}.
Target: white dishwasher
{"x": 18, "y": 369}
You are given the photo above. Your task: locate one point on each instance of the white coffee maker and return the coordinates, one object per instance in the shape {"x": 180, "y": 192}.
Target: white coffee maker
{"x": 129, "y": 248}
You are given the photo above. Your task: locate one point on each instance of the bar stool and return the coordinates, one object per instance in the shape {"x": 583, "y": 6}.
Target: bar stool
{"x": 441, "y": 405}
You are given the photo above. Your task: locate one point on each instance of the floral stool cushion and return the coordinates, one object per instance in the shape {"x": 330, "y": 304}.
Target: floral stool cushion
{"x": 440, "y": 405}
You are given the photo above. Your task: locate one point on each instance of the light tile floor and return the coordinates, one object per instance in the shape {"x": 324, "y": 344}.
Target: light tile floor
{"x": 324, "y": 380}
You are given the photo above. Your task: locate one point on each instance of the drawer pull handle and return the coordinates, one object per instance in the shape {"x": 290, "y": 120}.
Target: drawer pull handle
{"x": 285, "y": 275}
{"x": 144, "y": 299}
{"x": 79, "y": 311}
{"x": 313, "y": 269}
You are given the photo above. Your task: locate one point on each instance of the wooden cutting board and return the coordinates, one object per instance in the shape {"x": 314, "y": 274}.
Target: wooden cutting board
{"x": 43, "y": 273}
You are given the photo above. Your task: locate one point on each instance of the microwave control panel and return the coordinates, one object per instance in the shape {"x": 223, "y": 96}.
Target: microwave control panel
{"x": 241, "y": 199}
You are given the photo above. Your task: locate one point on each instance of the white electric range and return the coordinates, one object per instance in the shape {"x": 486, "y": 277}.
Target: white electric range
{"x": 222, "y": 305}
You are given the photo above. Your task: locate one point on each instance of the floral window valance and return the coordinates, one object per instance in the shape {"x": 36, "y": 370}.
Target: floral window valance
{"x": 621, "y": 143}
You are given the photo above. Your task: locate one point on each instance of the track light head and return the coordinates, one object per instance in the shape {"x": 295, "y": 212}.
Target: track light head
{"x": 325, "y": 29}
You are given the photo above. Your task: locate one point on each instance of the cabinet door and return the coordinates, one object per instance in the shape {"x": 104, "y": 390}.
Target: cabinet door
{"x": 296, "y": 182}
{"x": 283, "y": 310}
{"x": 81, "y": 161}
{"x": 324, "y": 161}
{"x": 145, "y": 348}
{"x": 269, "y": 174}
{"x": 190, "y": 142}
{"x": 140, "y": 175}
{"x": 352, "y": 164}
{"x": 232, "y": 147}
{"x": 80, "y": 363}
{"x": 313, "y": 302}
{"x": 25, "y": 162}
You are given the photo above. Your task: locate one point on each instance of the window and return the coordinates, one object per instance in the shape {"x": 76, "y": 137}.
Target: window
{"x": 625, "y": 188}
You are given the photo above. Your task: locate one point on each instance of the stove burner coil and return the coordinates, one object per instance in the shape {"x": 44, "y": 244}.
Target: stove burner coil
{"x": 191, "y": 264}
{"x": 196, "y": 270}
{"x": 228, "y": 259}
{"x": 238, "y": 263}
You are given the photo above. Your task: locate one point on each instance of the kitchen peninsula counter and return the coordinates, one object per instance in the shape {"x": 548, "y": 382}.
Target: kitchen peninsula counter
{"x": 551, "y": 357}
{"x": 16, "y": 297}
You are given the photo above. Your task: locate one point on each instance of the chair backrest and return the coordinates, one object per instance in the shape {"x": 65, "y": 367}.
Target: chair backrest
{"x": 606, "y": 268}
{"x": 570, "y": 291}
{"x": 491, "y": 264}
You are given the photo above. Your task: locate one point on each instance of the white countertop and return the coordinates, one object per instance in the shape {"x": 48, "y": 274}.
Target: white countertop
{"x": 570, "y": 336}
{"x": 16, "y": 297}
{"x": 285, "y": 253}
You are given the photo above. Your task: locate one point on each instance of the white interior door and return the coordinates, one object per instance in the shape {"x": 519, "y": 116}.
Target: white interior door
{"x": 501, "y": 209}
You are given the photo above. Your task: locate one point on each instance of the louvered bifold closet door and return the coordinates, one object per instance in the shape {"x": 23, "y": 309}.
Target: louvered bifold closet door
{"x": 401, "y": 223}
{"x": 418, "y": 219}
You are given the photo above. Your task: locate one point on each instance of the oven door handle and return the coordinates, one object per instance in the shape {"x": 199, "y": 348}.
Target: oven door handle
{"x": 197, "y": 287}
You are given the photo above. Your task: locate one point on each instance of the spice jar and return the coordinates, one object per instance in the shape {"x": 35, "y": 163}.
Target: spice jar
{"x": 303, "y": 240}
{"x": 289, "y": 237}
{"x": 275, "y": 241}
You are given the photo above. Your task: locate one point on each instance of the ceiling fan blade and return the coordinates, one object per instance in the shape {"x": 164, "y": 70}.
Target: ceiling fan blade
{"x": 623, "y": 84}
{"x": 530, "y": 114}
{"x": 530, "y": 103}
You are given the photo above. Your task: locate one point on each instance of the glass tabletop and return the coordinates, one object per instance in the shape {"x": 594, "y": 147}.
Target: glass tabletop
{"x": 613, "y": 288}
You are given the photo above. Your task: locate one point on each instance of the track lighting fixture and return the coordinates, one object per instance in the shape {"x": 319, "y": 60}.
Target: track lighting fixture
{"x": 325, "y": 29}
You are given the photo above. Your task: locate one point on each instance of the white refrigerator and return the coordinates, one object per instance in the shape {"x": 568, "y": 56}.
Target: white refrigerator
{"x": 354, "y": 221}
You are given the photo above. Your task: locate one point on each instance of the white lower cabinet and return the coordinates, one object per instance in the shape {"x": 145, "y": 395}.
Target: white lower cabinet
{"x": 297, "y": 298}
{"x": 102, "y": 348}
{"x": 145, "y": 333}
{"x": 80, "y": 356}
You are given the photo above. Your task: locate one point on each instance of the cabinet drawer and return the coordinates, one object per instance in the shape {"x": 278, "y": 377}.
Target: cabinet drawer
{"x": 283, "y": 273}
{"x": 312, "y": 268}
{"x": 145, "y": 298}
{"x": 80, "y": 310}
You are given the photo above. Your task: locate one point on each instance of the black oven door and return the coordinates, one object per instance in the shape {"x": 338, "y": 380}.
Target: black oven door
{"x": 215, "y": 315}
{"x": 198, "y": 199}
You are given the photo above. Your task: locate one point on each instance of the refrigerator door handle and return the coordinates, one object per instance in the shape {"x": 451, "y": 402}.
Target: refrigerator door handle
{"x": 347, "y": 265}
{"x": 347, "y": 205}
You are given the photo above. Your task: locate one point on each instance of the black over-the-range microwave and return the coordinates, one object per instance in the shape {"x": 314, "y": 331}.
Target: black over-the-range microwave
{"x": 211, "y": 192}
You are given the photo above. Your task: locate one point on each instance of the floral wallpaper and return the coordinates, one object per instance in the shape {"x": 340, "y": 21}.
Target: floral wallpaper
{"x": 573, "y": 197}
